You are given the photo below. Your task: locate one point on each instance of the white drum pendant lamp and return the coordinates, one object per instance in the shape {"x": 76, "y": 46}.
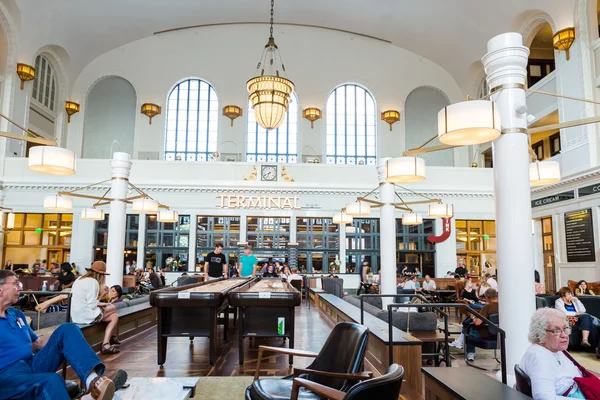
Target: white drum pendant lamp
{"x": 544, "y": 173}
{"x": 342, "y": 218}
{"x": 51, "y": 160}
{"x": 58, "y": 203}
{"x": 145, "y": 206}
{"x": 92, "y": 214}
{"x": 405, "y": 170}
{"x": 469, "y": 122}
{"x": 10, "y": 221}
{"x": 412, "y": 219}
{"x": 358, "y": 209}
{"x": 441, "y": 210}
{"x": 168, "y": 216}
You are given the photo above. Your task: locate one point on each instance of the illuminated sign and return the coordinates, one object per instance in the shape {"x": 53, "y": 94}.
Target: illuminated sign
{"x": 264, "y": 202}
{"x": 446, "y": 230}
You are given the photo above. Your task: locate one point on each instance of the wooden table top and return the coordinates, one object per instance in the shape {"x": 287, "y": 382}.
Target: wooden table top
{"x": 430, "y": 336}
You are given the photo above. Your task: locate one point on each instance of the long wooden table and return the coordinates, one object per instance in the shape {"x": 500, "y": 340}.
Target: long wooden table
{"x": 406, "y": 348}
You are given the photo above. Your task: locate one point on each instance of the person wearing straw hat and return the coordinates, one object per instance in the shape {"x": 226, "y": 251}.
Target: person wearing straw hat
{"x": 86, "y": 308}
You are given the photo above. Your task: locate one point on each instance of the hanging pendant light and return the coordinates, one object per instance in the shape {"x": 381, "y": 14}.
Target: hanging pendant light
{"x": 469, "y": 122}
{"x": 168, "y": 216}
{"x": 92, "y": 214}
{"x": 412, "y": 219}
{"x": 358, "y": 209}
{"x": 543, "y": 173}
{"x": 58, "y": 203}
{"x": 51, "y": 160}
{"x": 270, "y": 93}
{"x": 405, "y": 170}
{"x": 441, "y": 210}
{"x": 145, "y": 206}
{"x": 342, "y": 218}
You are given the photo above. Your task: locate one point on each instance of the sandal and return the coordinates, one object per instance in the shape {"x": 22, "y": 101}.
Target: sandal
{"x": 101, "y": 388}
{"x": 585, "y": 343}
{"x": 119, "y": 379}
{"x": 115, "y": 340}
{"x": 108, "y": 348}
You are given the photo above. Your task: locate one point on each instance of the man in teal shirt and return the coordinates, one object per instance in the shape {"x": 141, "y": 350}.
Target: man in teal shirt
{"x": 247, "y": 265}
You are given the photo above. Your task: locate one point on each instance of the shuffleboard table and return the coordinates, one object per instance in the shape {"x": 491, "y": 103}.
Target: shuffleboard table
{"x": 266, "y": 309}
{"x": 192, "y": 311}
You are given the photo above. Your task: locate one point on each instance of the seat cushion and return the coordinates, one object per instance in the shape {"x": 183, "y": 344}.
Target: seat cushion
{"x": 276, "y": 389}
{"x": 488, "y": 344}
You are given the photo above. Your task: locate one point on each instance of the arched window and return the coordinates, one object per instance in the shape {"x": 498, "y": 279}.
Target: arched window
{"x": 192, "y": 117}
{"x": 351, "y": 126}
{"x": 44, "y": 83}
{"x": 275, "y": 145}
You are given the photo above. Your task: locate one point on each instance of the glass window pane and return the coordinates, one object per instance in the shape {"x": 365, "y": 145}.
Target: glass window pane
{"x": 13, "y": 237}
{"x": 547, "y": 225}
{"x": 50, "y": 221}
{"x": 489, "y": 227}
{"x": 33, "y": 221}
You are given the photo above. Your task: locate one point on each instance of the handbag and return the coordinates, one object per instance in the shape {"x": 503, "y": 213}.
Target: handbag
{"x": 589, "y": 384}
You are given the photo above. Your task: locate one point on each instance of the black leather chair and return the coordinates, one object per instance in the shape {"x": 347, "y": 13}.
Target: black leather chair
{"x": 523, "y": 381}
{"x": 336, "y": 366}
{"x": 490, "y": 343}
{"x": 384, "y": 387}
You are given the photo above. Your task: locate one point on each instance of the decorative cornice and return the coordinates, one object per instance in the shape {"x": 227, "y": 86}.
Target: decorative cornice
{"x": 569, "y": 180}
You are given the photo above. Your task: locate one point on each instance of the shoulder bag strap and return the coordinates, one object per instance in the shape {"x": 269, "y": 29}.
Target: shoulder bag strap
{"x": 583, "y": 371}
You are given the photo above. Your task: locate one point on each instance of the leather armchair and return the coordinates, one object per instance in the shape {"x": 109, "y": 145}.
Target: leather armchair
{"x": 490, "y": 343}
{"x": 523, "y": 381}
{"x": 336, "y": 366}
{"x": 384, "y": 387}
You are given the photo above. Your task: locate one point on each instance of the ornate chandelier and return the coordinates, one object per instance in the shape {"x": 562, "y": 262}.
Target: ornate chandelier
{"x": 270, "y": 93}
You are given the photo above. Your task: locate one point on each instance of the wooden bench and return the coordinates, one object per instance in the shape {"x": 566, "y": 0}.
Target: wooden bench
{"x": 406, "y": 348}
{"x": 313, "y": 294}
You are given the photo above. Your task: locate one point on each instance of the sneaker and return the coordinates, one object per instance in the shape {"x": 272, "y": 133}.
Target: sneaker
{"x": 470, "y": 356}
{"x": 457, "y": 344}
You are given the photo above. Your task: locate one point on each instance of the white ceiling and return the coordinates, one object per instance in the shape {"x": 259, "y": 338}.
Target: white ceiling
{"x": 452, "y": 33}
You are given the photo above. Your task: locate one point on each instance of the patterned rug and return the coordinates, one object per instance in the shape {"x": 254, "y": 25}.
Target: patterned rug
{"x": 222, "y": 387}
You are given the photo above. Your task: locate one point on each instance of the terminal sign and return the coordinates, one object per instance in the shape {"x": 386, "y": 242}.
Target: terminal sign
{"x": 265, "y": 202}
{"x": 589, "y": 190}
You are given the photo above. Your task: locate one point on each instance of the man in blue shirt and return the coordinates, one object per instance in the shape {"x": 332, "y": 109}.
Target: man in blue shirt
{"x": 248, "y": 263}
{"x": 25, "y": 375}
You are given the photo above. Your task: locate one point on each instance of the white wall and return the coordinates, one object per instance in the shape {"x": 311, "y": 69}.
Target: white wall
{"x": 109, "y": 115}
{"x": 226, "y": 56}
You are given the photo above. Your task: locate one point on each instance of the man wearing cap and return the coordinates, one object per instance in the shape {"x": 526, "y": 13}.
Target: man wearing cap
{"x": 25, "y": 375}
{"x": 248, "y": 262}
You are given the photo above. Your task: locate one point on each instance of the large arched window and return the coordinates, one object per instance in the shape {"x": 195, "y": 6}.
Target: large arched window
{"x": 351, "y": 126}
{"x": 275, "y": 145}
{"x": 192, "y": 117}
{"x": 44, "y": 83}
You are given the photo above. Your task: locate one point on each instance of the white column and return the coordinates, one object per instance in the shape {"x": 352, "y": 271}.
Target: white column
{"x": 293, "y": 228}
{"x": 2, "y": 213}
{"x": 120, "y": 168}
{"x": 141, "y": 244}
{"x": 342, "y": 241}
{"x": 243, "y": 229}
{"x": 505, "y": 63}
{"x": 387, "y": 234}
{"x": 192, "y": 242}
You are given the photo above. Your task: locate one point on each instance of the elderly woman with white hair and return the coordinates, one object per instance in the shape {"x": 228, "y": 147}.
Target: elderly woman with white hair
{"x": 546, "y": 361}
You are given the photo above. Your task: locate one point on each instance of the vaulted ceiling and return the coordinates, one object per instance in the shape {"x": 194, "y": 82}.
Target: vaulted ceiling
{"x": 451, "y": 33}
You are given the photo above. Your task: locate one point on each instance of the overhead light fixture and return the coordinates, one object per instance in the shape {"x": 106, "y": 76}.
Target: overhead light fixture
{"x": 563, "y": 39}
{"x": 10, "y": 221}
{"x": 405, "y": 170}
{"x": 51, "y": 160}
{"x": 412, "y": 219}
{"x": 543, "y": 173}
{"x": 391, "y": 117}
{"x": 58, "y": 203}
{"x": 342, "y": 218}
{"x": 150, "y": 110}
{"x": 145, "y": 206}
{"x": 270, "y": 93}
{"x": 358, "y": 209}
{"x": 441, "y": 210}
{"x": 232, "y": 112}
{"x": 168, "y": 216}
{"x": 26, "y": 73}
{"x": 469, "y": 122}
{"x": 312, "y": 114}
{"x": 71, "y": 108}
{"x": 92, "y": 214}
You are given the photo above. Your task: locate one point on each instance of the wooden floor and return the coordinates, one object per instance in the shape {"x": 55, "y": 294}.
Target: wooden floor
{"x": 185, "y": 358}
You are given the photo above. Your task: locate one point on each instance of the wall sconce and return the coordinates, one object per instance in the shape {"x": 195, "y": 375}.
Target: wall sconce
{"x": 563, "y": 39}
{"x": 25, "y": 72}
{"x": 232, "y": 112}
{"x": 391, "y": 117}
{"x": 71, "y": 108}
{"x": 150, "y": 110}
{"x": 312, "y": 114}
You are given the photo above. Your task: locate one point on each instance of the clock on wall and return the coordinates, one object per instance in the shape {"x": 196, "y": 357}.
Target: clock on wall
{"x": 268, "y": 173}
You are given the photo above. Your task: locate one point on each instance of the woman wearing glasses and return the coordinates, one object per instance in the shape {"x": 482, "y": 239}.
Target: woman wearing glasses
{"x": 572, "y": 307}
{"x": 546, "y": 361}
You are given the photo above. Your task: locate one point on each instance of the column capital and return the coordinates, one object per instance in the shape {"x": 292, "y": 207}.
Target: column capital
{"x": 381, "y": 173}
{"x": 506, "y": 60}
{"x": 120, "y": 165}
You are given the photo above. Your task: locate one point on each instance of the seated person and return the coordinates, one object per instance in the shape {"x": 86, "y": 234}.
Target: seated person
{"x": 294, "y": 275}
{"x": 572, "y": 307}
{"x": 410, "y": 283}
{"x": 449, "y": 274}
{"x": 546, "y": 361}
{"x": 270, "y": 272}
{"x": 461, "y": 270}
{"x": 25, "y": 375}
{"x": 475, "y": 327}
{"x": 469, "y": 294}
{"x": 489, "y": 279}
{"x": 582, "y": 289}
{"x": 539, "y": 287}
{"x": 87, "y": 309}
{"x": 285, "y": 273}
{"x": 153, "y": 278}
{"x": 428, "y": 285}
{"x": 55, "y": 304}
{"x": 65, "y": 278}
{"x": 115, "y": 294}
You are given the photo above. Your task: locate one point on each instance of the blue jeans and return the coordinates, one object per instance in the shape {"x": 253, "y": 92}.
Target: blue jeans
{"x": 474, "y": 334}
{"x": 36, "y": 378}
